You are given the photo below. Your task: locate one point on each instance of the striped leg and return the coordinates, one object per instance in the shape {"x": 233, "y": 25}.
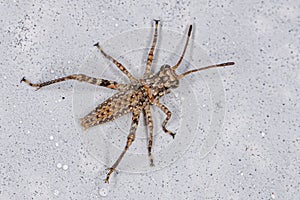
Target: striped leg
{"x": 119, "y": 65}
{"x": 130, "y": 139}
{"x": 168, "y": 113}
{"x": 78, "y": 77}
{"x": 149, "y": 122}
{"x": 151, "y": 52}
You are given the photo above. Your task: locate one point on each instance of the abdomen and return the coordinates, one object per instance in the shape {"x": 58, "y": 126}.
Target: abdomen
{"x": 116, "y": 106}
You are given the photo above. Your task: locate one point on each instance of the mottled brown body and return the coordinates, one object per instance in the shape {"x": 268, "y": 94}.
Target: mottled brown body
{"x": 135, "y": 97}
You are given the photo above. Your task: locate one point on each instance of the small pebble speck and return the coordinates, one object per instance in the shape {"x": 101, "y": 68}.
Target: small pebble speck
{"x": 56, "y": 144}
{"x": 273, "y": 196}
{"x": 103, "y": 192}
{"x": 56, "y": 192}
{"x": 59, "y": 165}
{"x": 65, "y": 167}
{"x": 51, "y": 137}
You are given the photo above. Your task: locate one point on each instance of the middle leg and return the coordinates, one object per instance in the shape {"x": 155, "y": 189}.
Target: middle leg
{"x": 119, "y": 65}
{"x": 130, "y": 139}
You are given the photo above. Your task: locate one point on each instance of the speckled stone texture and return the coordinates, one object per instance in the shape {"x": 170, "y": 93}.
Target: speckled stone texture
{"x": 257, "y": 153}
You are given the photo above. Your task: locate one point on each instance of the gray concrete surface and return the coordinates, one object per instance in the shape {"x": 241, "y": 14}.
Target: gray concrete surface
{"x": 256, "y": 153}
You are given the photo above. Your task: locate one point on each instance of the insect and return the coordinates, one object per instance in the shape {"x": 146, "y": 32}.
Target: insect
{"x": 135, "y": 97}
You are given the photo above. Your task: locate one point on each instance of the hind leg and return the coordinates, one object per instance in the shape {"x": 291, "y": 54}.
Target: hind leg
{"x": 149, "y": 122}
{"x": 130, "y": 139}
{"x": 78, "y": 77}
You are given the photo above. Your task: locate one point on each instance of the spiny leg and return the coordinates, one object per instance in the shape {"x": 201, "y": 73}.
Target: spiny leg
{"x": 119, "y": 65}
{"x": 130, "y": 139}
{"x": 149, "y": 121}
{"x": 151, "y": 52}
{"x": 78, "y": 77}
{"x": 169, "y": 114}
